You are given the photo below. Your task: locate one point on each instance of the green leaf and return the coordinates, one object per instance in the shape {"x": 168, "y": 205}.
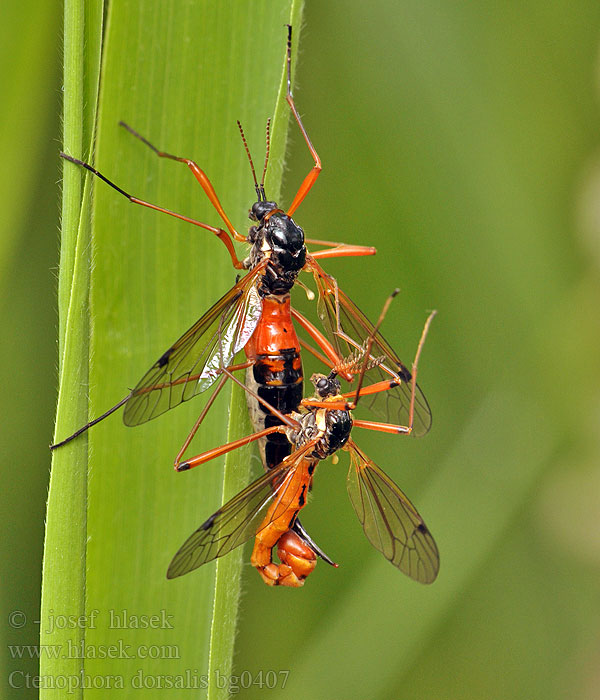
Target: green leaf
{"x": 180, "y": 75}
{"x": 63, "y": 588}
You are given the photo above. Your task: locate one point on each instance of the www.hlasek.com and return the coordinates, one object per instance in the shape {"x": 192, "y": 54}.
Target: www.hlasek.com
{"x": 188, "y": 679}
{"x": 80, "y": 650}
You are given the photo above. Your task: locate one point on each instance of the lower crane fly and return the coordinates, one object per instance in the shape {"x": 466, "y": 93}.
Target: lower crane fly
{"x": 254, "y": 314}
{"x": 268, "y": 508}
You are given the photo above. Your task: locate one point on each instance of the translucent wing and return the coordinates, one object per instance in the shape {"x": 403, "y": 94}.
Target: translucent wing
{"x": 191, "y": 365}
{"x": 390, "y": 521}
{"x": 240, "y": 518}
{"x": 348, "y": 328}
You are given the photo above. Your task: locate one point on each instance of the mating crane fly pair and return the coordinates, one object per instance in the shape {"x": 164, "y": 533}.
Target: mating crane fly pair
{"x": 293, "y": 433}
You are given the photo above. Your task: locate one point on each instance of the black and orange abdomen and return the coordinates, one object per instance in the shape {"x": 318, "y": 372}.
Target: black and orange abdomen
{"x": 297, "y": 560}
{"x": 276, "y": 375}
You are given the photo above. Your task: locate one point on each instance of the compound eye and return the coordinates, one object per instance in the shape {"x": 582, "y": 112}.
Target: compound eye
{"x": 259, "y": 209}
{"x": 322, "y": 386}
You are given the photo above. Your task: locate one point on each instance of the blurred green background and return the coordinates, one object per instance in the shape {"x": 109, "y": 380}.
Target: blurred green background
{"x": 462, "y": 140}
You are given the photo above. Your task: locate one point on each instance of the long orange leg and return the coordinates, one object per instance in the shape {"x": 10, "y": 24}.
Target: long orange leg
{"x": 328, "y": 244}
{"x": 339, "y": 250}
{"x": 376, "y": 388}
{"x": 199, "y": 174}
{"x": 156, "y": 387}
{"x": 219, "y": 232}
{"x": 344, "y": 250}
{"x": 310, "y": 179}
{"x": 369, "y": 345}
{"x": 205, "y": 410}
{"x": 332, "y": 358}
{"x": 330, "y": 352}
{"x": 333, "y": 289}
{"x": 224, "y": 449}
{"x": 402, "y": 429}
{"x": 415, "y": 365}
{"x": 382, "y": 427}
{"x": 336, "y": 404}
{"x": 190, "y": 437}
{"x": 227, "y": 374}
{"x": 309, "y": 348}
{"x": 284, "y": 418}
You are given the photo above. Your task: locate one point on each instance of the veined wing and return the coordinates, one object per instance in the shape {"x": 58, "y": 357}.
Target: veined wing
{"x": 240, "y": 518}
{"x": 390, "y": 521}
{"x": 192, "y": 364}
{"x": 348, "y": 329}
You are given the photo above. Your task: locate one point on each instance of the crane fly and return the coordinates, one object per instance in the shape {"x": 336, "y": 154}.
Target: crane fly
{"x": 256, "y": 316}
{"x": 277, "y": 254}
{"x": 267, "y": 508}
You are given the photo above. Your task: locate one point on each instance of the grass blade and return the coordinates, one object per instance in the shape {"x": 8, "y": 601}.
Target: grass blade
{"x": 181, "y": 76}
{"x": 63, "y": 587}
